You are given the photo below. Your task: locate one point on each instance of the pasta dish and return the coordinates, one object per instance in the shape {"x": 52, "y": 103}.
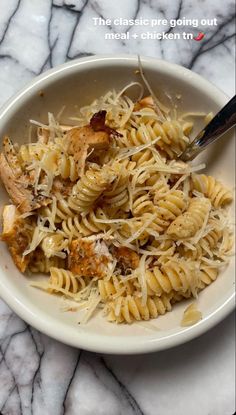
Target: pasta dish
{"x": 107, "y": 211}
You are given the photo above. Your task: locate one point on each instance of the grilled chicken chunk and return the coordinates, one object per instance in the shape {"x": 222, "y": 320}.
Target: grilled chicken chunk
{"x": 17, "y": 184}
{"x": 88, "y": 259}
{"x": 81, "y": 139}
{"x": 21, "y": 196}
{"x": 17, "y": 234}
{"x": 126, "y": 257}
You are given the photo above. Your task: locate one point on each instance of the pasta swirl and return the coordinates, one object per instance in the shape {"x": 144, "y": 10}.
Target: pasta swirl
{"x": 89, "y": 188}
{"x": 168, "y": 209}
{"x": 65, "y": 281}
{"x": 172, "y": 139}
{"x": 175, "y": 275}
{"x": 212, "y": 188}
{"x": 205, "y": 246}
{"x": 62, "y": 211}
{"x": 130, "y": 308}
{"x": 77, "y": 226}
{"x": 207, "y": 276}
{"x": 114, "y": 287}
{"x": 187, "y": 225}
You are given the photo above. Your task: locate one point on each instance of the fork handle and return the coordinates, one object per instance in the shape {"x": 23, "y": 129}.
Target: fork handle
{"x": 222, "y": 122}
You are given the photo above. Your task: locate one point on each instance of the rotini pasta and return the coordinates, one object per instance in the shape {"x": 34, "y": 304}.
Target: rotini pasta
{"x": 173, "y": 276}
{"x": 212, "y": 188}
{"x": 67, "y": 167}
{"x": 114, "y": 288}
{"x": 142, "y": 203}
{"x": 112, "y": 214}
{"x": 144, "y": 158}
{"x": 77, "y": 226}
{"x": 207, "y": 275}
{"x": 130, "y": 308}
{"x": 30, "y": 152}
{"x": 61, "y": 279}
{"x": 188, "y": 224}
{"x": 117, "y": 196}
{"x": 171, "y": 206}
{"x": 51, "y": 160}
{"x": 89, "y": 188}
{"x": 205, "y": 246}
{"x": 172, "y": 140}
{"x": 61, "y": 211}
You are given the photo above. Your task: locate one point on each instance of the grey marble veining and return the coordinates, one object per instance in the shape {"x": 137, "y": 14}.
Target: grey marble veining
{"x": 37, "y": 374}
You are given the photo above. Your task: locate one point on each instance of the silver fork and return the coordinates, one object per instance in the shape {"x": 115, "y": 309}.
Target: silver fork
{"x": 222, "y": 122}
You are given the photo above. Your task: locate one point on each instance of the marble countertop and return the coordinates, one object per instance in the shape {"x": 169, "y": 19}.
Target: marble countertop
{"x": 37, "y": 374}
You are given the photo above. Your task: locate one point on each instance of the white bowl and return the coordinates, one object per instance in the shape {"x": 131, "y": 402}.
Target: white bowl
{"x": 75, "y": 84}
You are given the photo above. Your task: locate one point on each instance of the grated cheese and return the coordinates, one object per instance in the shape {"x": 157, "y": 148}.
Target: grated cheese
{"x": 129, "y": 86}
{"x": 191, "y": 316}
{"x": 129, "y": 152}
{"x": 141, "y": 271}
{"x": 92, "y": 303}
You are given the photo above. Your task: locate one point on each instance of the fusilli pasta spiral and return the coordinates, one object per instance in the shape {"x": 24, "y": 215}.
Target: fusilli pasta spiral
{"x": 77, "y": 226}
{"x": 65, "y": 281}
{"x": 142, "y": 203}
{"x": 130, "y": 308}
{"x": 62, "y": 211}
{"x": 117, "y": 196}
{"x": 213, "y": 189}
{"x": 114, "y": 287}
{"x": 187, "y": 225}
{"x": 29, "y": 152}
{"x": 89, "y": 188}
{"x": 174, "y": 275}
{"x": 168, "y": 209}
{"x": 207, "y": 276}
{"x": 172, "y": 139}
{"x": 67, "y": 167}
{"x": 205, "y": 246}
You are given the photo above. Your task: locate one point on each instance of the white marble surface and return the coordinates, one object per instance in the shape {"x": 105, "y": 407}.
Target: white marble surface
{"x": 37, "y": 374}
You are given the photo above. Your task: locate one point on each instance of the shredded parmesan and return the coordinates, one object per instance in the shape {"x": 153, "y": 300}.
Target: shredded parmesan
{"x": 191, "y": 315}
{"x": 141, "y": 271}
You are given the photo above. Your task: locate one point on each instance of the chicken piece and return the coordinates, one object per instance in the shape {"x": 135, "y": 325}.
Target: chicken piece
{"x": 88, "y": 258}
{"x": 144, "y": 103}
{"x": 84, "y": 139}
{"x": 20, "y": 195}
{"x": 19, "y": 188}
{"x": 17, "y": 234}
{"x": 126, "y": 257}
